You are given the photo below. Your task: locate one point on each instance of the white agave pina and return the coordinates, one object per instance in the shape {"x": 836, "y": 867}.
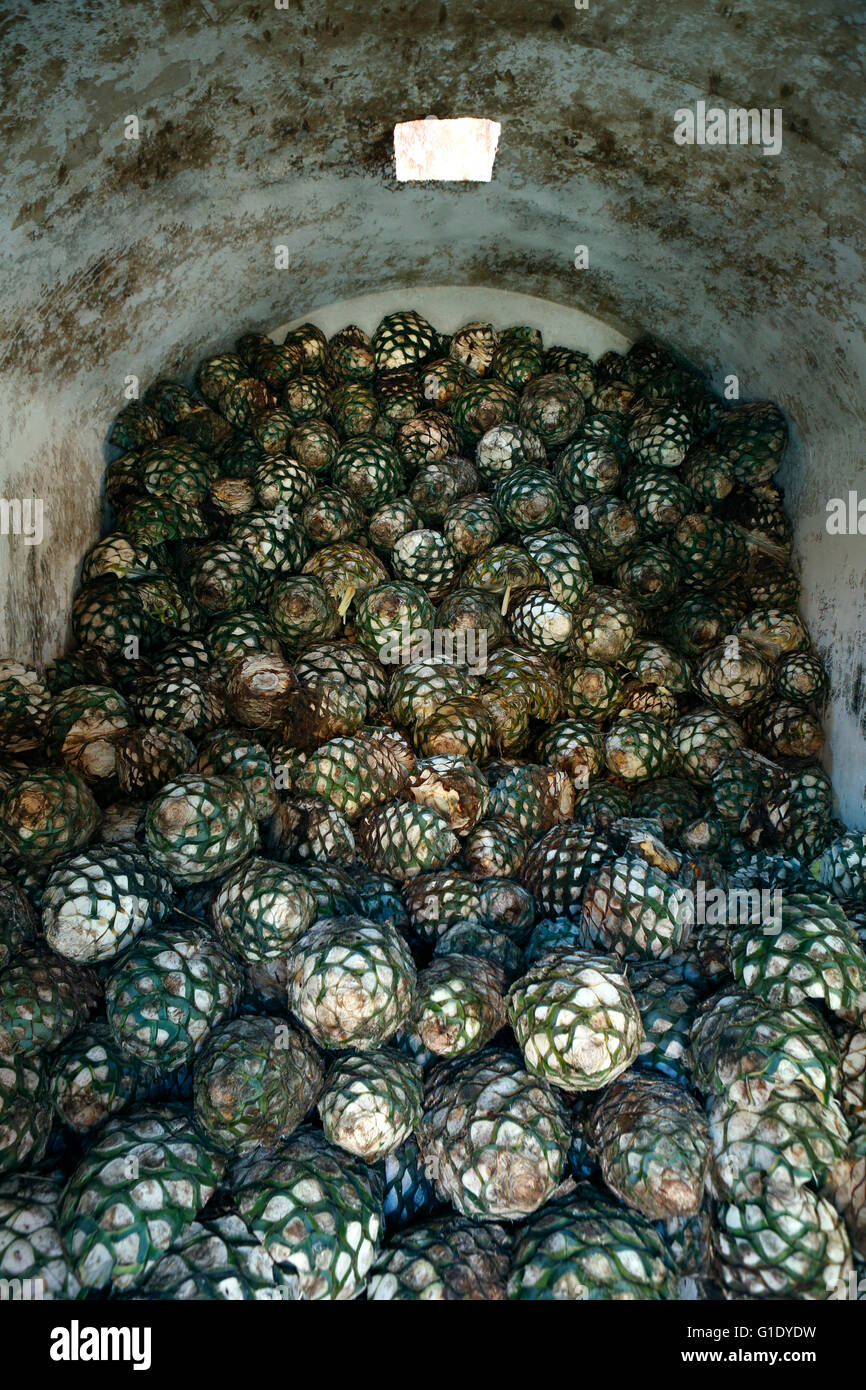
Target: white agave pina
{"x": 635, "y": 910}
{"x": 446, "y": 1259}
{"x": 659, "y": 433}
{"x": 149, "y": 756}
{"x": 404, "y": 839}
{"x": 637, "y": 747}
{"x": 354, "y": 774}
{"x": 197, "y": 827}
{"x": 559, "y": 865}
{"x": 471, "y": 524}
{"x": 43, "y": 814}
{"x": 403, "y": 339}
{"x": 842, "y": 866}
{"x": 701, "y": 739}
{"x": 420, "y": 686}
{"x": 145, "y": 1176}
{"x": 607, "y": 624}
{"x": 435, "y": 901}
{"x": 735, "y": 675}
{"x": 261, "y": 908}
{"x": 165, "y": 994}
{"x": 43, "y": 998}
{"x": 504, "y": 447}
{"x": 256, "y": 1078}
{"x": 461, "y": 727}
{"x": 313, "y": 828}
{"x": 258, "y": 688}
{"x": 776, "y": 631}
{"x": 650, "y": 1139}
{"x": 493, "y": 1137}
{"x": 440, "y": 480}
{"x": 452, "y": 786}
{"x": 853, "y": 1094}
{"x": 528, "y": 677}
{"x": 89, "y": 1078}
{"x": 351, "y": 982}
{"x": 99, "y": 899}
{"x": 82, "y": 724}
{"x": 744, "y": 1046}
{"x": 479, "y": 406}
{"x": 233, "y": 753}
{"x": 810, "y": 952}
{"x": 592, "y": 691}
{"x": 575, "y": 1019}
{"x": 553, "y": 408}
{"x": 182, "y": 702}
{"x": 790, "y": 1137}
{"x": 216, "y": 1260}
{"x": 576, "y": 746}
{"x": 585, "y": 1247}
{"x": 371, "y": 1103}
{"x": 459, "y": 1003}
{"x": 789, "y": 1243}
{"x": 24, "y": 704}
{"x": 425, "y": 558}
{"x": 534, "y": 798}
{"x": 427, "y": 440}
{"x": 846, "y": 1184}
{"x": 32, "y": 1250}
{"x": 317, "y": 1211}
{"x": 26, "y": 1114}
{"x": 494, "y": 849}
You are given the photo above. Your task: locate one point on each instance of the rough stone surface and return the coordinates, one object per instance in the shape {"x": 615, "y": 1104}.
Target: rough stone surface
{"x": 262, "y": 125}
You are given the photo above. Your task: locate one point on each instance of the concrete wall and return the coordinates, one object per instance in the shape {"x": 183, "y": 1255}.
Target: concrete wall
{"x": 262, "y": 125}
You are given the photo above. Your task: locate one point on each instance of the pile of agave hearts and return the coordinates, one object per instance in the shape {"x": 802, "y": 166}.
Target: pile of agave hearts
{"x": 421, "y": 688}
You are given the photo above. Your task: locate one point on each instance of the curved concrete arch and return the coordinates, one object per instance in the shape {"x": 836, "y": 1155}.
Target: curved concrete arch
{"x": 261, "y": 125}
